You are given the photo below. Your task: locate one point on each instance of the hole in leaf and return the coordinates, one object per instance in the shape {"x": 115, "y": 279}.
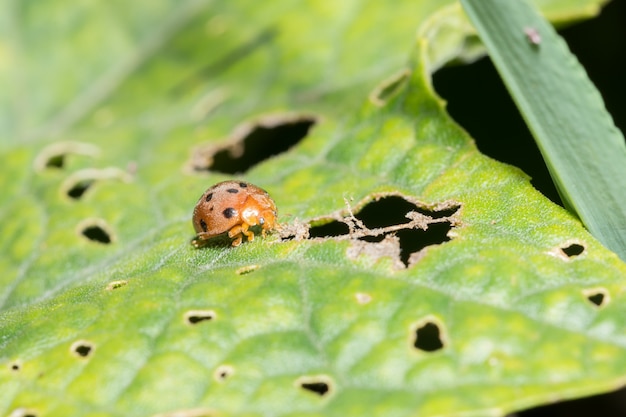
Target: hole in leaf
{"x": 428, "y": 337}
{"x": 23, "y": 412}
{"x": 197, "y": 316}
{"x": 96, "y": 233}
{"x": 55, "y": 155}
{"x": 56, "y": 161}
{"x": 387, "y": 211}
{"x": 599, "y": 297}
{"x": 254, "y": 143}
{"x": 113, "y": 285}
{"x": 320, "y": 388}
{"x": 82, "y": 348}
{"x": 79, "y": 189}
{"x": 223, "y": 372}
{"x": 320, "y": 385}
{"x": 393, "y": 210}
{"x": 568, "y": 250}
{"x": 334, "y": 228}
{"x": 414, "y": 240}
{"x": 596, "y": 299}
{"x": 415, "y": 227}
{"x": 573, "y": 250}
{"x": 389, "y": 88}
{"x": 78, "y": 183}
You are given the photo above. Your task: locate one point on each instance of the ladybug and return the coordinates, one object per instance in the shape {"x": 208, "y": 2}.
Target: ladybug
{"x": 233, "y": 207}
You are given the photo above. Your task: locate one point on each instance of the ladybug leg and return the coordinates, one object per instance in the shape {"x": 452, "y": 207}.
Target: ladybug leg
{"x": 198, "y": 243}
{"x": 201, "y": 239}
{"x": 235, "y": 232}
{"x": 249, "y": 233}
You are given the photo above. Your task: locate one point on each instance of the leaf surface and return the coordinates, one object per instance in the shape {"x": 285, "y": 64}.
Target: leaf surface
{"x": 434, "y": 280}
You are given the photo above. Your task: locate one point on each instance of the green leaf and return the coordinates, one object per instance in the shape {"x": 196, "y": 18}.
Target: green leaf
{"x": 411, "y": 274}
{"x": 584, "y": 151}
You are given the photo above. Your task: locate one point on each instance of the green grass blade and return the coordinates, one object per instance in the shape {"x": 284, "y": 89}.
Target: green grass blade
{"x": 584, "y": 151}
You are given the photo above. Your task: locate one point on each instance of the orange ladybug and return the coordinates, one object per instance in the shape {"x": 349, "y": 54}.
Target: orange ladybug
{"x": 233, "y": 207}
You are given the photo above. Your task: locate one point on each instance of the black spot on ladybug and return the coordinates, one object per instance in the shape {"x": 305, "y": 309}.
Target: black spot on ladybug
{"x": 229, "y": 212}
{"x": 243, "y": 184}
{"x": 211, "y": 209}
{"x": 208, "y": 197}
{"x": 203, "y": 224}
{"x": 232, "y": 190}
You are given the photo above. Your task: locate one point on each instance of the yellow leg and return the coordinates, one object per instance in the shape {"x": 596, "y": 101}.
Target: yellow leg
{"x": 198, "y": 243}
{"x": 204, "y": 236}
{"x": 249, "y": 233}
{"x": 235, "y": 233}
{"x": 201, "y": 239}
{"x": 238, "y": 231}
